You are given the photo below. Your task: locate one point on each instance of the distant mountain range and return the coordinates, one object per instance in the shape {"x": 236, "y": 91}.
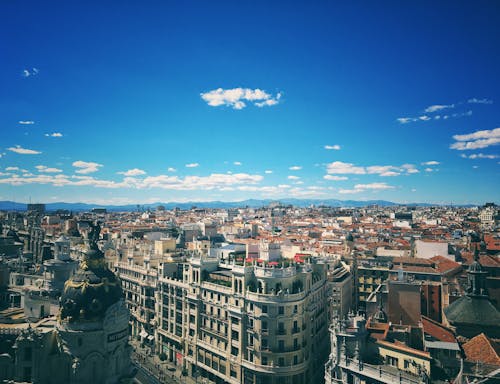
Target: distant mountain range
{"x": 79, "y": 207}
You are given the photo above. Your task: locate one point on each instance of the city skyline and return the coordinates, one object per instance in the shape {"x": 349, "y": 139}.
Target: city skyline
{"x": 134, "y": 104}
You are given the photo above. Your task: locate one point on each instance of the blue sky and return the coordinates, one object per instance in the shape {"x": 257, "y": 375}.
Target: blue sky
{"x": 135, "y": 102}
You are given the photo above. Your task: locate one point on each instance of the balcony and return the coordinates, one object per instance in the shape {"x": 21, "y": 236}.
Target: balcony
{"x": 285, "y": 370}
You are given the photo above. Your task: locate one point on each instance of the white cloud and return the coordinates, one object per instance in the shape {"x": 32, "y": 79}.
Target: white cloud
{"x": 54, "y": 134}
{"x": 171, "y": 169}
{"x": 238, "y": 97}
{"x": 335, "y": 178}
{"x": 406, "y": 120}
{"x": 383, "y": 170}
{"x": 376, "y": 186}
{"x": 479, "y": 101}
{"x": 268, "y": 171}
{"x": 429, "y": 169}
{"x": 432, "y": 162}
{"x": 295, "y": 168}
{"x": 291, "y": 177}
{"x": 366, "y": 187}
{"x": 133, "y": 172}
{"x": 45, "y": 169}
{"x": 86, "y": 166}
{"x": 30, "y": 72}
{"x": 479, "y": 156}
{"x": 335, "y": 147}
{"x": 409, "y": 168}
{"x": 339, "y": 167}
{"x": 237, "y": 163}
{"x": 12, "y": 169}
{"x": 438, "y": 107}
{"x": 476, "y": 140}
{"x": 192, "y": 165}
{"x": 26, "y": 122}
{"x": 23, "y": 151}
{"x": 431, "y": 109}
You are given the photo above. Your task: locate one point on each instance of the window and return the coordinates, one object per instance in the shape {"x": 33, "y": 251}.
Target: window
{"x": 264, "y": 309}
{"x": 28, "y": 354}
{"x": 281, "y": 310}
{"x": 281, "y": 328}
{"x": 264, "y": 325}
{"x": 264, "y": 360}
{"x": 407, "y": 364}
{"x": 235, "y": 335}
{"x": 264, "y": 343}
{"x": 233, "y": 372}
{"x": 234, "y": 351}
{"x": 295, "y": 360}
{"x": 295, "y": 309}
{"x": 281, "y": 362}
{"x": 392, "y": 361}
{"x": 281, "y": 345}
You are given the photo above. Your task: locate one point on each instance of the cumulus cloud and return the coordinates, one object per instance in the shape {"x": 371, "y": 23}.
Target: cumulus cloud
{"x": 479, "y": 156}
{"x": 45, "y": 169}
{"x": 366, "y": 187}
{"x": 432, "y": 162}
{"x": 237, "y": 98}
{"x": 30, "y": 72}
{"x": 291, "y": 177}
{"x": 23, "y": 151}
{"x": 341, "y": 168}
{"x": 237, "y": 163}
{"x": 438, "y": 107}
{"x": 476, "y": 140}
{"x": 268, "y": 171}
{"x": 133, "y": 172}
{"x": 479, "y": 101}
{"x": 192, "y": 165}
{"x": 85, "y": 167}
{"x": 335, "y": 147}
{"x": 26, "y": 122}
{"x": 171, "y": 169}
{"x": 54, "y": 134}
{"x": 295, "y": 168}
{"x": 335, "y": 178}
{"x": 12, "y": 169}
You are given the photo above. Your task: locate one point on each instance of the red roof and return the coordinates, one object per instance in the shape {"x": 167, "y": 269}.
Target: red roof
{"x": 437, "y": 330}
{"x": 444, "y": 265}
{"x": 481, "y": 348}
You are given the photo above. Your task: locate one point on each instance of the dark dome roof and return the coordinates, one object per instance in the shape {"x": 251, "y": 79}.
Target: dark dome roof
{"x": 472, "y": 310}
{"x": 91, "y": 291}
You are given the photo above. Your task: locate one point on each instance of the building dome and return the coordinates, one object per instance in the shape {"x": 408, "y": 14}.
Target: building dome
{"x": 91, "y": 290}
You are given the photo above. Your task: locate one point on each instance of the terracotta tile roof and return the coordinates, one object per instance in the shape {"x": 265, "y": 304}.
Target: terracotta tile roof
{"x": 437, "y": 330}
{"x": 483, "y": 349}
{"x": 492, "y": 243}
{"x": 444, "y": 264}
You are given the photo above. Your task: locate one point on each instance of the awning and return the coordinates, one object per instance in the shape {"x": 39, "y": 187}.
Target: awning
{"x": 143, "y": 333}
